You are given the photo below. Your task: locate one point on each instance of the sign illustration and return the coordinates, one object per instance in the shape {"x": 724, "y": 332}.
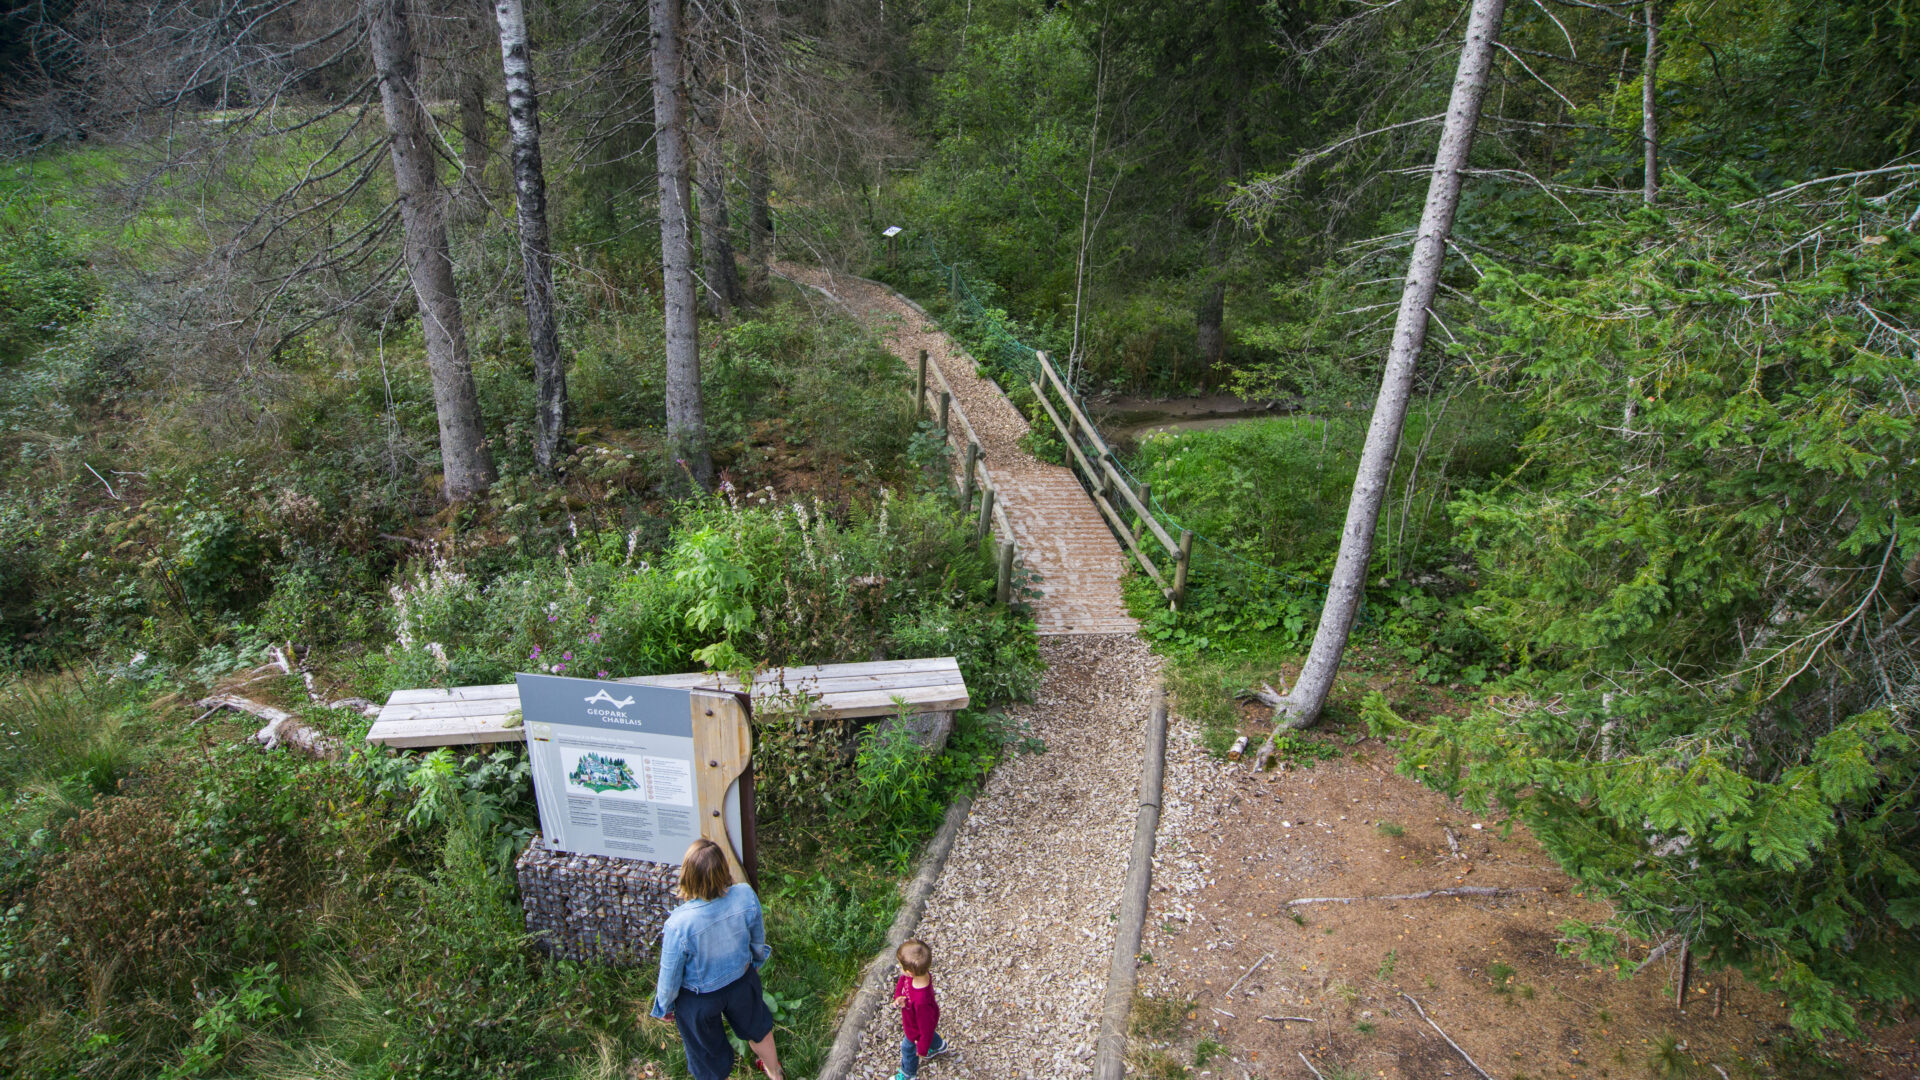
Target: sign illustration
{"x": 599, "y": 773}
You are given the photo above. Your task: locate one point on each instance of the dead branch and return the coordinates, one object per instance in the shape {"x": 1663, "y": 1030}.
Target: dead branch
{"x": 1835, "y": 179}
{"x": 1444, "y": 1035}
{"x": 1309, "y": 1065}
{"x": 1430, "y": 894}
{"x": 1247, "y": 973}
{"x": 1659, "y": 951}
{"x": 282, "y": 728}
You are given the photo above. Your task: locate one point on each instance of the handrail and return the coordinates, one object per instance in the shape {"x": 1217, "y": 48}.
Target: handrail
{"x": 1113, "y": 517}
{"x": 1112, "y": 475}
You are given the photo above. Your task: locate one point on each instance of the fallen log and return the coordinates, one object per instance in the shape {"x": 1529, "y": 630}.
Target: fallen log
{"x": 1463, "y": 890}
{"x": 282, "y": 728}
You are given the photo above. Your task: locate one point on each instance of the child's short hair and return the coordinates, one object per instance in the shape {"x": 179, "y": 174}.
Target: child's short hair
{"x": 703, "y": 873}
{"x": 914, "y": 956}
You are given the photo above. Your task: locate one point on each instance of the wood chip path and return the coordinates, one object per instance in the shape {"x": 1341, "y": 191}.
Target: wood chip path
{"x": 1058, "y": 532}
{"x": 1021, "y": 921}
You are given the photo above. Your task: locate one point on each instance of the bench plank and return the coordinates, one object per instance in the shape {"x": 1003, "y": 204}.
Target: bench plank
{"x": 449, "y": 716}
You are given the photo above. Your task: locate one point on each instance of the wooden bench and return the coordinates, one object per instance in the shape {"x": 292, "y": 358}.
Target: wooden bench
{"x": 931, "y": 689}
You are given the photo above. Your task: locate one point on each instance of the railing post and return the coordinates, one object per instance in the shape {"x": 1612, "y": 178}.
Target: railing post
{"x": 920, "y": 389}
{"x": 1180, "y": 569}
{"x": 986, "y": 515}
{"x": 1003, "y": 590}
{"x": 946, "y": 402}
{"x": 966, "y": 486}
{"x": 1145, "y": 492}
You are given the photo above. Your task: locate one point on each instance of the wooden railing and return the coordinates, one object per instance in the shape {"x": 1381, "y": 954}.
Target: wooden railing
{"x": 992, "y": 518}
{"x": 1111, "y": 489}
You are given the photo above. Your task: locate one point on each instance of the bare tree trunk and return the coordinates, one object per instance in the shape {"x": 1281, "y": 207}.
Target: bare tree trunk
{"x": 1349, "y": 580}
{"x": 686, "y": 419}
{"x": 536, "y": 251}
{"x": 476, "y": 147}
{"x": 1209, "y": 330}
{"x": 759, "y": 218}
{"x": 1649, "y": 123}
{"x": 716, "y": 247}
{"x": 1209, "y": 334}
{"x": 466, "y": 465}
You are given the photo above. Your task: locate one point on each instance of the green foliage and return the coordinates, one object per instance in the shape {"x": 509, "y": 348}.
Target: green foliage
{"x": 1698, "y": 561}
{"x": 45, "y": 287}
{"x": 1275, "y": 490}
{"x": 1391, "y": 960}
{"x": 896, "y": 776}
{"x": 784, "y": 584}
{"x": 258, "y": 998}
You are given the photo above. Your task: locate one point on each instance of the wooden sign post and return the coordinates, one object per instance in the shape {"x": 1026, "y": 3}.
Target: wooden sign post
{"x": 723, "y": 749}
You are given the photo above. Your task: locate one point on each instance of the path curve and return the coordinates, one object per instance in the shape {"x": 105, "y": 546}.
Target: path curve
{"x": 1058, "y": 532}
{"x": 1021, "y": 922}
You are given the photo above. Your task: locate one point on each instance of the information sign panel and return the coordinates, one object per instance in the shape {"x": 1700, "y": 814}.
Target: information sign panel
{"x": 613, "y": 766}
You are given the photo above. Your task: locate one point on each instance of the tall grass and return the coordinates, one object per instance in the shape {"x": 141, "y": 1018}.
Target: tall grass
{"x": 61, "y": 727}
{"x": 1276, "y": 490}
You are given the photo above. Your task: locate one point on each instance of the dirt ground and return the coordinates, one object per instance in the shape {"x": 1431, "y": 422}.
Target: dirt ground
{"x": 1227, "y": 952}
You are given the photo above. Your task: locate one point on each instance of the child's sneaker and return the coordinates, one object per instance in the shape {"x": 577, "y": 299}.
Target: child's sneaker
{"x": 936, "y": 1049}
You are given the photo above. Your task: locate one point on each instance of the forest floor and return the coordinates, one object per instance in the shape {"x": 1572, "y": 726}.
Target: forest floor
{"x": 1224, "y": 951}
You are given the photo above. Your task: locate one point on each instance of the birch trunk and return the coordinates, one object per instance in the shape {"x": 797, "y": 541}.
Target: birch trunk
{"x": 466, "y": 465}
{"x": 759, "y": 219}
{"x": 686, "y": 419}
{"x": 1349, "y": 580}
{"x": 536, "y": 251}
{"x": 1649, "y": 121}
{"x": 716, "y": 247}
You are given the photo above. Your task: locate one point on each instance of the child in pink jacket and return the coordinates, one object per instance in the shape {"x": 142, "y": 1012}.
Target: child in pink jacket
{"x": 919, "y": 1012}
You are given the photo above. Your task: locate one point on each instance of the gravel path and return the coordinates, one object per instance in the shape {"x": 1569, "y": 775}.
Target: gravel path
{"x": 1058, "y": 532}
{"x": 997, "y": 425}
{"x": 1021, "y": 923}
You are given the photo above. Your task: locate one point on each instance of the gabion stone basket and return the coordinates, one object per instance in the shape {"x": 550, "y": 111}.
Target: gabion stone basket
{"x": 595, "y": 907}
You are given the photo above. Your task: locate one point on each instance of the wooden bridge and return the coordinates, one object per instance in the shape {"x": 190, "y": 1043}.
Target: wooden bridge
{"x": 1068, "y": 535}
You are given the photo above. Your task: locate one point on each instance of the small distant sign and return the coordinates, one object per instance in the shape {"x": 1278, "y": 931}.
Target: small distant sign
{"x": 613, "y": 766}
{"x": 892, "y": 231}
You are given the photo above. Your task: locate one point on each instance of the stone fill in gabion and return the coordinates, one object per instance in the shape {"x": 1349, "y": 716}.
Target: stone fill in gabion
{"x": 594, "y": 907}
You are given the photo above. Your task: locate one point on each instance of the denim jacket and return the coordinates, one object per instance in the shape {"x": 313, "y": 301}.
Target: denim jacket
{"x": 708, "y": 944}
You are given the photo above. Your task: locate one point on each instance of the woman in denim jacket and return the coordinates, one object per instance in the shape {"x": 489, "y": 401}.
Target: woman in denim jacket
{"x": 710, "y": 967}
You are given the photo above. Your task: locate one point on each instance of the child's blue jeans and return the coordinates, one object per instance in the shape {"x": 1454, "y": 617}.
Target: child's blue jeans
{"x": 910, "y": 1058}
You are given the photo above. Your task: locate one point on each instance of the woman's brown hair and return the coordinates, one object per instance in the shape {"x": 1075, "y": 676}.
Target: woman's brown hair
{"x": 703, "y": 873}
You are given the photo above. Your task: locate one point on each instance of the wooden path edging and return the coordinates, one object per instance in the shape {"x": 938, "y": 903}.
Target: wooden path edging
{"x": 874, "y": 987}
{"x": 1110, "y": 1050}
